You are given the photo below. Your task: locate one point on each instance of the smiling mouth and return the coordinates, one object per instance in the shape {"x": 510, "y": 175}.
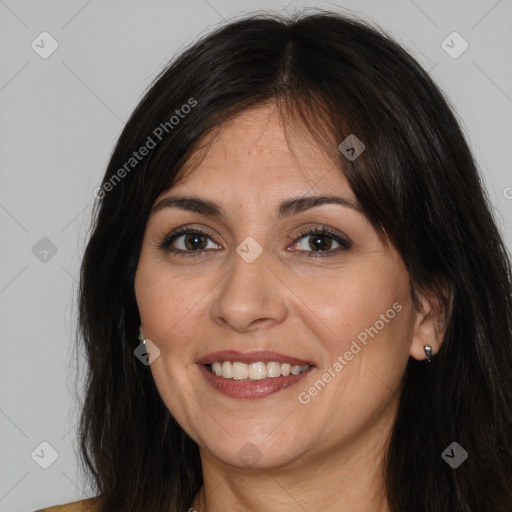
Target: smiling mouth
{"x": 260, "y": 370}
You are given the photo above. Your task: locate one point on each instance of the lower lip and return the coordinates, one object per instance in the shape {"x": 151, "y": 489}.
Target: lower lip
{"x": 251, "y": 388}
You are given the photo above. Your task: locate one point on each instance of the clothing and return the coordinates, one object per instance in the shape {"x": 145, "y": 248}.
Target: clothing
{"x": 87, "y": 505}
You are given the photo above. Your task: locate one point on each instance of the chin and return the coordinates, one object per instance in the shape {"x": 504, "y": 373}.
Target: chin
{"x": 255, "y": 452}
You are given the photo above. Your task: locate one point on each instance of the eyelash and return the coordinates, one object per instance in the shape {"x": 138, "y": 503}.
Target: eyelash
{"x": 171, "y": 237}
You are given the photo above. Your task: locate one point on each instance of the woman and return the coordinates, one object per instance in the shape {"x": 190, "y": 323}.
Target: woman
{"x": 295, "y": 296}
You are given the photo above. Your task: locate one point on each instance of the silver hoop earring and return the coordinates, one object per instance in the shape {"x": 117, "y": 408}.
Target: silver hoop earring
{"x": 141, "y": 339}
{"x": 428, "y": 352}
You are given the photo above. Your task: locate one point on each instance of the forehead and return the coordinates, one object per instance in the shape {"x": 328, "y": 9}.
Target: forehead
{"x": 255, "y": 151}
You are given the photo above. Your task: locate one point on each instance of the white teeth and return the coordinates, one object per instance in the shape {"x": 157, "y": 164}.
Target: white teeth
{"x": 255, "y": 371}
{"x": 216, "y": 367}
{"x": 227, "y": 370}
{"x": 273, "y": 369}
{"x": 285, "y": 369}
{"x": 240, "y": 371}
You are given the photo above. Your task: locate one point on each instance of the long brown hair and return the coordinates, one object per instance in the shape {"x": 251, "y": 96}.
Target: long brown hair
{"x": 417, "y": 183}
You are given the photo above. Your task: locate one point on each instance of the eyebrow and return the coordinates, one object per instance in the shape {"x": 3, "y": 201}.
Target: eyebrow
{"x": 286, "y": 208}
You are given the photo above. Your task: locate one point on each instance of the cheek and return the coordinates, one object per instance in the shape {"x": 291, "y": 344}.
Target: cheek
{"x": 369, "y": 329}
{"x": 165, "y": 300}
{"x": 358, "y": 305}
{"x": 173, "y": 307}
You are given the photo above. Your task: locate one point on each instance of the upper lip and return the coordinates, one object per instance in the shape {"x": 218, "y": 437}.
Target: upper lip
{"x": 251, "y": 357}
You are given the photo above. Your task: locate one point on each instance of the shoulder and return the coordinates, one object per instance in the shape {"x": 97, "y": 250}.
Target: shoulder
{"x": 88, "y": 505}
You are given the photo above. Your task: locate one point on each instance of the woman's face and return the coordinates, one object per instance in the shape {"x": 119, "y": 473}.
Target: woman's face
{"x": 254, "y": 282}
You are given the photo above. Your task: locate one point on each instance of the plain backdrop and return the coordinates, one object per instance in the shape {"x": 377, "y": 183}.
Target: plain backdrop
{"x": 60, "y": 118}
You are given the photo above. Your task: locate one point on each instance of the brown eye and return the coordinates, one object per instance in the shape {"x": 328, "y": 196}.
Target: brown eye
{"x": 192, "y": 242}
{"x": 321, "y": 241}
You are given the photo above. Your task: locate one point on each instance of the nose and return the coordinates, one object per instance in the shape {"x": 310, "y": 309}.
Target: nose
{"x": 250, "y": 295}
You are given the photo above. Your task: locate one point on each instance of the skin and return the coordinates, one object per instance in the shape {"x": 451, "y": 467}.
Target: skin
{"x": 323, "y": 455}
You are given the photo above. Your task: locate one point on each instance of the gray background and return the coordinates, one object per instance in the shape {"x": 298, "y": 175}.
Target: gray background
{"x": 60, "y": 119}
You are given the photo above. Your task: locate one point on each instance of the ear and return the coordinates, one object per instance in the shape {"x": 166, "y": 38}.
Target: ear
{"x": 429, "y": 325}
{"x": 141, "y": 331}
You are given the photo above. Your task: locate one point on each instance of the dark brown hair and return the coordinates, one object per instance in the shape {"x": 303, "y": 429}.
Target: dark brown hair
{"x": 418, "y": 185}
